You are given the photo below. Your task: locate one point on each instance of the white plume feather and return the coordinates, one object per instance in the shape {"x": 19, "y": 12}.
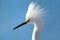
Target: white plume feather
{"x": 34, "y": 10}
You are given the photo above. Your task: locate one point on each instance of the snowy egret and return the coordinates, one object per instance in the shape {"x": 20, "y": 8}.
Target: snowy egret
{"x": 34, "y": 15}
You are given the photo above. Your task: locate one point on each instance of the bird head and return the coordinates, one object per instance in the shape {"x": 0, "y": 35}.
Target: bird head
{"x": 34, "y": 13}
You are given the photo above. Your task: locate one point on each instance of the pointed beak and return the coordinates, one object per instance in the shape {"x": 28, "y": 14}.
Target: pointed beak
{"x": 22, "y": 24}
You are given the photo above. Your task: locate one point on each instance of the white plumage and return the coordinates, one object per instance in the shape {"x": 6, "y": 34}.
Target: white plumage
{"x": 34, "y": 10}
{"x": 34, "y": 15}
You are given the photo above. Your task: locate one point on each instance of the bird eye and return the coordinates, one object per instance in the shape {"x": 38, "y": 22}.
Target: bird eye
{"x": 27, "y": 20}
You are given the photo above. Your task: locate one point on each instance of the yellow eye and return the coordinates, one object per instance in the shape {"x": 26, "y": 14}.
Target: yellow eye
{"x": 27, "y": 20}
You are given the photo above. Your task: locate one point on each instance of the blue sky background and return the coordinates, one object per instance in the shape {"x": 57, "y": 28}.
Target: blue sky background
{"x": 12, "y": 13}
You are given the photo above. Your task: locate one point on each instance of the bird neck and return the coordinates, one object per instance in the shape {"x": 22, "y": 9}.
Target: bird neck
{"x": 36, "y": 31}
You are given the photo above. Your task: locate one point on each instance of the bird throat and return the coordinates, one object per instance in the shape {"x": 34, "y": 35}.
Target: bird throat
{"x": 36, "y": 32}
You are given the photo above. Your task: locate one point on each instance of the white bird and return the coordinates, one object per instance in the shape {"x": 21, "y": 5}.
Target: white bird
{"x": 34, "y": 15}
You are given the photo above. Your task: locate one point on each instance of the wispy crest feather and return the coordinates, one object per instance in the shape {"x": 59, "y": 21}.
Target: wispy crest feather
{"x": 34, "y": 10}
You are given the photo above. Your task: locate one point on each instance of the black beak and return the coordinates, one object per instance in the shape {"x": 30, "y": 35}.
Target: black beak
{"x": 21, "y": 24}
